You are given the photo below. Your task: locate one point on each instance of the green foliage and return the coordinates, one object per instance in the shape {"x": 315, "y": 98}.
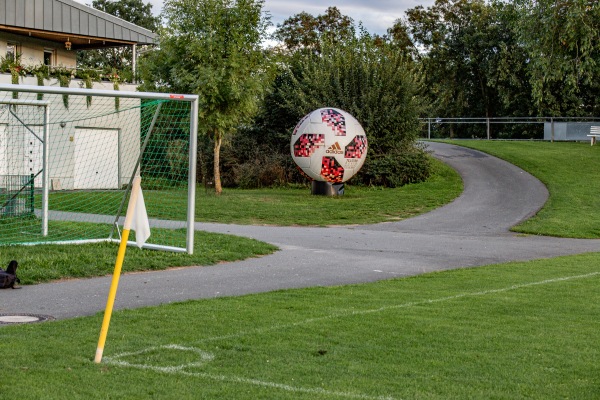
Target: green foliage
{"x": 562, "y": 41}
{"x": 304, "y": 31}
{"x": 212, "y": 48}
{"x": 373, "y": 82}
{"x": 64, "y": 76}
{"x": 397, "y": 167}
{"x": 135, "y": 11}
{"x": 528, "y": 57}
{"x": 473, "y": 63}
{"x": 251, "y": 165}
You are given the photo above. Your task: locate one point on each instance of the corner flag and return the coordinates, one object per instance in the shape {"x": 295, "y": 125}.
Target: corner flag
{"x": 137, "y": 218}
{"x": 140, "y": 223}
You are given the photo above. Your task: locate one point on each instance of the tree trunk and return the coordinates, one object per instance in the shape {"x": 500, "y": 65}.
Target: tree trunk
{"x": 217, "y": 161}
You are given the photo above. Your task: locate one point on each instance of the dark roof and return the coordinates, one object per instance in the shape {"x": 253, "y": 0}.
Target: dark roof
{"x": 62, "y": 20}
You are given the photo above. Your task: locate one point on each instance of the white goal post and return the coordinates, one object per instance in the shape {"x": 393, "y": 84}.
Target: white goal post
{"x": 149, "y": 134}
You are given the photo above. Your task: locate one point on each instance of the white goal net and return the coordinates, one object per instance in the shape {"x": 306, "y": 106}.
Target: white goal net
{"x": 68, "y": 157}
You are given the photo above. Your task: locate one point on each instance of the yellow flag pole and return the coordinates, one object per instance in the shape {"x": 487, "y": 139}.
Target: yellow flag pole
{"x": 135, "y": 190}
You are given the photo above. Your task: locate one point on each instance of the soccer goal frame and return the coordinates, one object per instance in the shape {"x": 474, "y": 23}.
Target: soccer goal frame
{"x": 191, "y": 100}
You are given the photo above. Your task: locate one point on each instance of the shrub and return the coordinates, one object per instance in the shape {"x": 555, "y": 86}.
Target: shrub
{"x": 396, "y": 168}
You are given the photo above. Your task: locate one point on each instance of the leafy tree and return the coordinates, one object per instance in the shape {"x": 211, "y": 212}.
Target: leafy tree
{"x": 376, "y": 84}
{"x": 399, "y": 37}
{"x": 472, "y": 60}
{"x": 134, "y": 11}
{"x": 304, "y": 31}
{"x": 562, "y": 40}
{"x": 212, "y": 48}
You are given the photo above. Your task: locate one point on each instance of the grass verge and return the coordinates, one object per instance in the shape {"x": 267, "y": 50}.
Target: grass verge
{"x": 359, "y": 205}
{"x": 510, "y": 331}
{"x": 44, "y": 263}
{"x": 285, "y": 206}
{"x": 569, "y": 171}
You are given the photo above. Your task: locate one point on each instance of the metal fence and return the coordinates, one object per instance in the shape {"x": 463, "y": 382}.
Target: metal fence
{"x": 524, "y": 128}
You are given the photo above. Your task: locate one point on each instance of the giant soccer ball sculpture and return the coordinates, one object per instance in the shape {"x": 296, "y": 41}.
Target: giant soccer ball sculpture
{"x": 329, "y": 145}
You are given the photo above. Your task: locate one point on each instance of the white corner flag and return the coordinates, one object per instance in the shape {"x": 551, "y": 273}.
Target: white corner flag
{"x": 140, "y": 223}
{"x": 136, "y": 219}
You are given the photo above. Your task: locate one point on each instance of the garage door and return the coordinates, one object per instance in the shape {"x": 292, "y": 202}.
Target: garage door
{"x": 96, "y": 158}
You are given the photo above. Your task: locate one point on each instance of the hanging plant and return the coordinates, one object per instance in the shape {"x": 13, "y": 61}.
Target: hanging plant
{"x": 89, "y": 76}
{"x": 116, "y": 80}
{"x": 16, "y": 71}
{"x": 64, "y": 77}
{"x": 41, "y": 72}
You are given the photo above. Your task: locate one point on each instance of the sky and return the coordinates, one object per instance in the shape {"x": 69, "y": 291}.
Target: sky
{"x": 376, "y": 15}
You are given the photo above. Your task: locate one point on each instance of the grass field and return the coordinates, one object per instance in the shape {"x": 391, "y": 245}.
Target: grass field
{"x": 45, "y": 263}
{"x": 359, "y": 205}
{"x": 511, "y": 331}
{"x": 284, "y": 206}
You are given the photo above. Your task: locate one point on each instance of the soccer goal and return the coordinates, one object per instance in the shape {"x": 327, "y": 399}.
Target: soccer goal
{"x": 68, "y": 157}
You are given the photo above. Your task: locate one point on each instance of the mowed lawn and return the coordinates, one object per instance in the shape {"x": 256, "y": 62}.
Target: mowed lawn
{"x": 511, "y": 331}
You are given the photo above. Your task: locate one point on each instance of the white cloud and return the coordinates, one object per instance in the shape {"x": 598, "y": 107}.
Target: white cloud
{"x": 376, "y": 15}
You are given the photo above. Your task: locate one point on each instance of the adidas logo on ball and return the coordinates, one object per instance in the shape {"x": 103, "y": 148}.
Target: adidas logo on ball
{"x": 334, "y": 149}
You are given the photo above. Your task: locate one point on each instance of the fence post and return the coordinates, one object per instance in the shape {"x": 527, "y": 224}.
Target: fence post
{"x": 551, "y": 130}
{"x": 487, "y": 121}
{"x": 428, "y": 128}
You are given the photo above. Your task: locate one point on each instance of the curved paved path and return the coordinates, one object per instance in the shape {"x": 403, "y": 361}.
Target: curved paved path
{"x": 471, "y": 231}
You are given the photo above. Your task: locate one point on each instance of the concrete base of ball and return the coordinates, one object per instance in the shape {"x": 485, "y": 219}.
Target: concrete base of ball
{"x": 327, "y": 188}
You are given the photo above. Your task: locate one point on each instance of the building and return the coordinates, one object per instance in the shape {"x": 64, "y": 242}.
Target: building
{"x": 49, "y": 33}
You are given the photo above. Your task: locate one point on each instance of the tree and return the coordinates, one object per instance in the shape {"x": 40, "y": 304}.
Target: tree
{"x": 135, "y": 11}
{"x": 562, "y": 40}
{"x": 304, "y": 31}
{"x": 376, "y": 84}
{"x": 473, "y": 62}
{"x": 212, "y": 48}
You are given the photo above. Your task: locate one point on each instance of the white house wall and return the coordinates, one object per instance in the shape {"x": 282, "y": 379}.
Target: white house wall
{"x": 32, "y": 50}
{"x": 64, "y": 124}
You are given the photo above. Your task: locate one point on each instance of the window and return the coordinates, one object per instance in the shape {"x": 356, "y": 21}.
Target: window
{"x": 49, "y": 57}
{"x": 11, "y": 51}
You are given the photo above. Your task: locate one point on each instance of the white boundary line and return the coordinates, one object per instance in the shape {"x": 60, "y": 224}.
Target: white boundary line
{"x": 396, "y": 306}
{"x": 206, "y": 357}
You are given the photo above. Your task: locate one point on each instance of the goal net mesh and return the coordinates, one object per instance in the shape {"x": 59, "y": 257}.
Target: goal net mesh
{"x": 95, "y": 145}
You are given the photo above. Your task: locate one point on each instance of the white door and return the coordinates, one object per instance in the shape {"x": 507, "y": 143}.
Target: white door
{"x": 96, "y": 158}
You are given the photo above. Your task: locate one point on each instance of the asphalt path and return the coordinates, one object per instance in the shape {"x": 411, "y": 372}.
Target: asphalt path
{"x": 471, "y": 231}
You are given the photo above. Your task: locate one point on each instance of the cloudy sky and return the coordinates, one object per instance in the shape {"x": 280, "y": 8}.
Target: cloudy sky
{"x": 376, "y": 15}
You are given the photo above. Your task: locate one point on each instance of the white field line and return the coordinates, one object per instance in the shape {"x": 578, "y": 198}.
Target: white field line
{"x": 205, "y": 357}
{"x": 395, "y": 306}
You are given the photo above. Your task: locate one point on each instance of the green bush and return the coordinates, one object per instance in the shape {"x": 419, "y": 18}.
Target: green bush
{"x": 396, "y": 168}
{"x": 379, "y": 86}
